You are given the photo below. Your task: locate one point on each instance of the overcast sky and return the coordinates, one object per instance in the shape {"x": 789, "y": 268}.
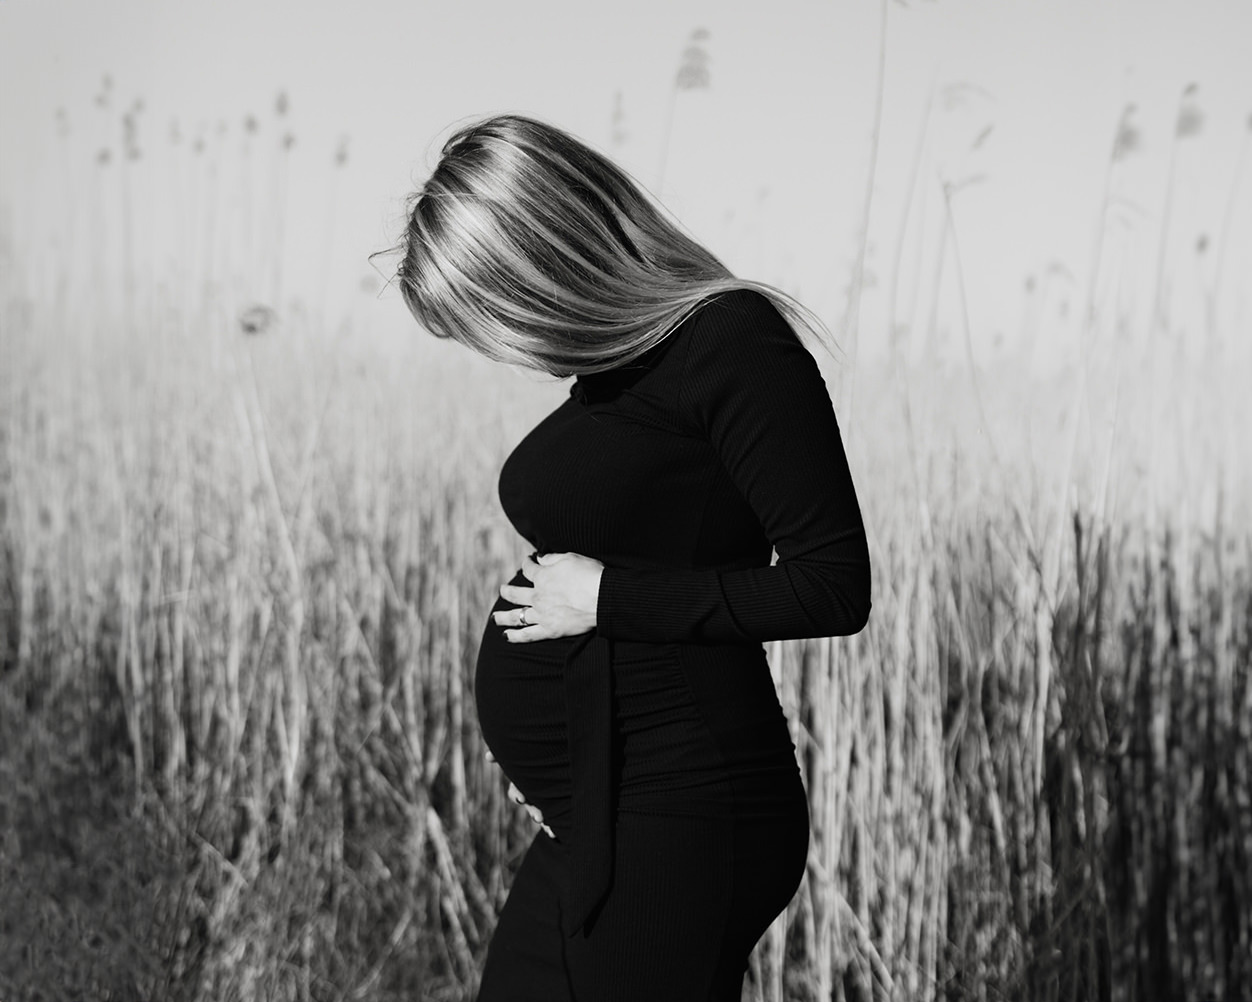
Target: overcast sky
{"x": 767, "y": 164}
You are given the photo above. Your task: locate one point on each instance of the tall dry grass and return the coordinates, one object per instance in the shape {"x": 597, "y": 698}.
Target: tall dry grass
{"x": 242, "y": 581}
{"x": 240, "y": 611}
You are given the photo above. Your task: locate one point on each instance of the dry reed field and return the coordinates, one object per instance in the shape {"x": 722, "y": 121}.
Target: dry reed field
{"x": 242, "y": 581}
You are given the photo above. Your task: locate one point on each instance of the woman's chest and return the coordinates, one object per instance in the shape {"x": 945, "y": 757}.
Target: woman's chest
{"x": 604, "y": 482}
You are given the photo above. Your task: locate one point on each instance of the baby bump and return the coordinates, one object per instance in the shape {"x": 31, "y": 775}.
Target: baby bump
{"x": 695, "y": 730}
{"x": 520, "y": 695}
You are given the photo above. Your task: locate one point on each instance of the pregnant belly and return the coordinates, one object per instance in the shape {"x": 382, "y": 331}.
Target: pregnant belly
{"x": 696, "y": 730}
{"x": 520, "y": 695}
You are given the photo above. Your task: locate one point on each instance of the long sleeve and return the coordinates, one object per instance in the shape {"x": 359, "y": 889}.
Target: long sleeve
{"x": 753, "y": 390}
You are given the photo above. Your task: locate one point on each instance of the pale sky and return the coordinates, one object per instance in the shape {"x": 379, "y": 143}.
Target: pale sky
{"x": 768, "y": 165}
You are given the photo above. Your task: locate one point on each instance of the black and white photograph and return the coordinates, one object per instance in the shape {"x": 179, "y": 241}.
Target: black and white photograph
{"x": 678, "y": 501}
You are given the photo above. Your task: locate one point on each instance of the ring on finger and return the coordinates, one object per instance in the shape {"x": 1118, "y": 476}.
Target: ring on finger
{"x": 521, "y": 619}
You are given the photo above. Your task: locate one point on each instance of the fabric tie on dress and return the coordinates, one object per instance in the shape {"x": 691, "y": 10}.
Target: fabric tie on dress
{"x": 589, "y": 703}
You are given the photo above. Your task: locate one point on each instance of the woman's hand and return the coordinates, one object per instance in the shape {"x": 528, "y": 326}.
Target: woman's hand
{"x": 515, "y": 795}
{"x": 561, "y": 601}
{"x": 536, "y": 815}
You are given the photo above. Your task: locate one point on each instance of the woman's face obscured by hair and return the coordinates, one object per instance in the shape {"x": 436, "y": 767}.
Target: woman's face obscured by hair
{"x": 530, "y": 247}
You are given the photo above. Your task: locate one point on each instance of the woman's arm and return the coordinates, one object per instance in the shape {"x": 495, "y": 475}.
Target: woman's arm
{"x": 753, "y": 389}
{"x": 755, "y": 392}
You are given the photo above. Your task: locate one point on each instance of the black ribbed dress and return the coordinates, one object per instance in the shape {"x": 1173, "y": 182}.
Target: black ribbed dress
{"x": 655, "y": 746}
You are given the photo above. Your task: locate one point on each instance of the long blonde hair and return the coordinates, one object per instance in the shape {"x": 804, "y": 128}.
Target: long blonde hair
{"x": 533, "y": 249}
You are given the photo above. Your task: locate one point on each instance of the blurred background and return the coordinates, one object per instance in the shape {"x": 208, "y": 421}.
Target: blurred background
{"x": 269, "y": 147}
{"x": 248, "y": 526}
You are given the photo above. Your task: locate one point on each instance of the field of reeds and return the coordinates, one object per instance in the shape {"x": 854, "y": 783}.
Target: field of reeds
{"x": 243, "y": 571}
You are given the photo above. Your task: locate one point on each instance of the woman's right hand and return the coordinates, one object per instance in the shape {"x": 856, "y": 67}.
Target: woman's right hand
{"x": 536, "y": 815}
{"x": 516, "y": 795}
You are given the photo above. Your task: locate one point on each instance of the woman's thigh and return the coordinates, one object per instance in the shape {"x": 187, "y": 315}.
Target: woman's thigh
{"x": 659, "y": 934}
{"x": 770, "y": 859}
{"x": 690, "y": 897}
{"x": 526, "y": 959}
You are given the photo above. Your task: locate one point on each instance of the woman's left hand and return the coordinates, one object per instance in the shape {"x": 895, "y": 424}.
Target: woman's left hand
{"x": 561, "y": 601}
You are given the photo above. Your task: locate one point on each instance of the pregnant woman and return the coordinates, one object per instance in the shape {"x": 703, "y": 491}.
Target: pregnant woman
{"x": 621, "y": 681}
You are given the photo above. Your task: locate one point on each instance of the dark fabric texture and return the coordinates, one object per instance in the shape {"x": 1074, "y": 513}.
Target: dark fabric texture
{"x": 655, "y": 746}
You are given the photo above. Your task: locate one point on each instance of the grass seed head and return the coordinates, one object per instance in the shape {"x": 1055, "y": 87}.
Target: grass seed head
{"x": 1190, "y": 117}
{"x": 1129, "y": 139}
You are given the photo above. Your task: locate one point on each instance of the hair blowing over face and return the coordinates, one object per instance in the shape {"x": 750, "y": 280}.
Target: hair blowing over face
{"x": 531, "y": 248}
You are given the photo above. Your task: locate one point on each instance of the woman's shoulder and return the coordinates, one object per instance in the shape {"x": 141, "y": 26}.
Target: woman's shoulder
{"x": 734, "y": 357}
{"x": 734, "y": 335}
{"x": 741, "y": 326}
{"x": 737, "y": 309}
{"x": 742, "y": 354}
